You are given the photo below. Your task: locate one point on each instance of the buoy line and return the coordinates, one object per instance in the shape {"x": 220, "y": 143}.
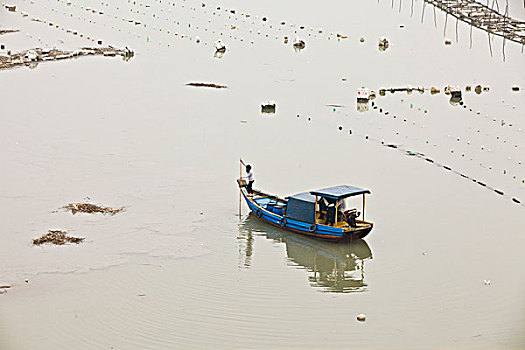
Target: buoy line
{"x": 423, "y": 157}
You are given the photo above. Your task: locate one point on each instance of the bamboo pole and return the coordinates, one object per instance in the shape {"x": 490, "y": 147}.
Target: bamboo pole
{"x": 240, "y": 187}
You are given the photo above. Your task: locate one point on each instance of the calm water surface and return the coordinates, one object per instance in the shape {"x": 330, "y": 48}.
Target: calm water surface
{"x": 180, "y": 268}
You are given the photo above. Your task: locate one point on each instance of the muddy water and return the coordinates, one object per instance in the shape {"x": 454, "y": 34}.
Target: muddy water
{"x": 179, "y": 268}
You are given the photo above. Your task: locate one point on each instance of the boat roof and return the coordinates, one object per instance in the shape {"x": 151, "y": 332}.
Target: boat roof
{"x": 303, "y": 196}
{"x": 339, "y": 192}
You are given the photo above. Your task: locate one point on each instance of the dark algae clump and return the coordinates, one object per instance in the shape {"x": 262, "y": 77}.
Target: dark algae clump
{"x": 57, "y": 237}
{"x": 91, "y": 209}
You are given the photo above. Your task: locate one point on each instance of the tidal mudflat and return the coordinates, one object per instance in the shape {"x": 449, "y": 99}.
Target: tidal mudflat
{"x": 178, "y": 268}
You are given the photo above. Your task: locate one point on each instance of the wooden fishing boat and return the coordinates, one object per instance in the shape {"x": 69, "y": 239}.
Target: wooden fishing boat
{"x": 316, "y": 213}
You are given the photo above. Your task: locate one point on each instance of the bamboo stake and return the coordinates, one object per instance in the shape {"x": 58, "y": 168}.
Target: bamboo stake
{"x": 445, "y": 28}
{"x": 490, "y": 45}
{"x": 457, "y": 21}
{"x": 497, "y": 4}
{"x": 412, "y": 8}
{"x": 435, "y": 21}
{"x": 506, "y": 14}
{"x": 471, "y": 35}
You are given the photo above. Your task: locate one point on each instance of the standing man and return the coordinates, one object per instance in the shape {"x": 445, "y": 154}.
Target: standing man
{"x": 249, "y": 178}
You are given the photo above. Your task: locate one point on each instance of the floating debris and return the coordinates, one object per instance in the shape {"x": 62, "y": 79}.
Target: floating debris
{"x": 448, "y": 42}
{"x": 478, "y": 89}
{"x": 298, "y": 44}
{"x": 7, "y": 31}
{"x": 455, "y": 95}
{"x": 362, "y": 106}
{"x": 363, "y": 94}
{"x": 383, "y": 44}
{"x": 4, "y": 287}
{"x": 515, "y": 88}
{"x": 57, "y": 237}
{"x": 91, "y": 209}
{"x": 211, "y": 85}
{"x": 434, "y": 90}
{"x": 361, "y": 317}
{"x": 268, "y": 108}
{"x": 408, "y": 90}
{"x": 39, "y": 55}
{"x": 219, "y": 46}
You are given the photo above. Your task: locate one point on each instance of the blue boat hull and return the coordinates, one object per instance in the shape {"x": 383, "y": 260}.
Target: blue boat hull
{"x": 324, "y": 232}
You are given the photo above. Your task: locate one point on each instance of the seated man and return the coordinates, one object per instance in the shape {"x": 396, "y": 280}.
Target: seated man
{"x": 322, "y": 208}
{"x": 330, "y": 214}
{"x": 341, "y": 208}
{"x": 351, "y": 215}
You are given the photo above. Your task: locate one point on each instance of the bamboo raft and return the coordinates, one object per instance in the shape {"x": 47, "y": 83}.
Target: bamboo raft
{"x": 484, "y": 17}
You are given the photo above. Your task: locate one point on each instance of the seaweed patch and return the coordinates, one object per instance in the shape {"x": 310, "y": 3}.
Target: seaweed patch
{"x": 90, "y": 208}
{"x": 57, "y": 237}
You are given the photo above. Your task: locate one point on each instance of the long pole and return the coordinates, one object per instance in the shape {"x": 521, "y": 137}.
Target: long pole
{"x": 240, "y": 188}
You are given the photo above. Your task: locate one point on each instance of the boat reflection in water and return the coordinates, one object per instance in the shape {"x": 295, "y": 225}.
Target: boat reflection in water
{"x": 334, "y": 267}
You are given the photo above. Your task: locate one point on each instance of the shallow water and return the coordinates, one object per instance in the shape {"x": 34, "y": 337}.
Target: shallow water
{"x": 179, "y": 268}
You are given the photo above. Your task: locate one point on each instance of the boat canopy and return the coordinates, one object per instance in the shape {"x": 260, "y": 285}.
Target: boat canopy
{"x": 301, "y": 206}
{"x": 339, "y": 192}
